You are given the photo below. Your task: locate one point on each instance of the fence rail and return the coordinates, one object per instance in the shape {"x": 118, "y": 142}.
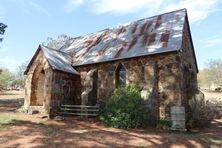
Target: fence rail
{"x": 79, "y": 110}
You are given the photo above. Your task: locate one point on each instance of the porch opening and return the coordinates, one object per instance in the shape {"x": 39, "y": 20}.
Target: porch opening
{"x": 37, "y": 86}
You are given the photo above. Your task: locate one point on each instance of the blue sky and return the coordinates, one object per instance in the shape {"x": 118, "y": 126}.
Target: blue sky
{"x": 30, "y": 22}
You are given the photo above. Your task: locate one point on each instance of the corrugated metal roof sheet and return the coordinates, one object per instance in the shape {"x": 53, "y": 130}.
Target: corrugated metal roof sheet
{"x": 152, "y": 35}
{"x": 58, "y": 60}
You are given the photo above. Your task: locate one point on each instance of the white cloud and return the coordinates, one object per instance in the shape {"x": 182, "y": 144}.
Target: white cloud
{"x": 197, "y": 9}
{"x": 39, "y": 8}
{"x": 124, "y": 6}
{"x": 7, "y": 62}
{"x": 213, "y": 42}
{"x": 71, "y": 5}
{"x": 27, "y": 6}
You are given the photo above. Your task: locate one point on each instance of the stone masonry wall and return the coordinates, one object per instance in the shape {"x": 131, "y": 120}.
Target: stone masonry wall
{"x": 64, "y": 90}
{"x": 169, "y": 89}
{"x": 157, "y": 75}
{"x": 189, "y": 71}
{"x": 46, "y": 83}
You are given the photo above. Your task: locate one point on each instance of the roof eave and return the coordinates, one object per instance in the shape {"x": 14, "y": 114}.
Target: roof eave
{"x": 142, "y": 55}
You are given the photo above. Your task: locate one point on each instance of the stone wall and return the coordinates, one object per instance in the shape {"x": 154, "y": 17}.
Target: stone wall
{"x": 169, "y": 89}
{"x": 189, "y": 70}
{"x": 65, "y": 88}
{"x": 157, "y": 75}
{"x": 38, "y": 89}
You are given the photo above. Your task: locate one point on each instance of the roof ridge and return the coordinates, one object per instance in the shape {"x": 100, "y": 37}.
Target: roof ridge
{"x": 53, "y": 49}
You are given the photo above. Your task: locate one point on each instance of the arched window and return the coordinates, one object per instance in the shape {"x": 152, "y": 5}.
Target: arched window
{"x": 121, "y": 75}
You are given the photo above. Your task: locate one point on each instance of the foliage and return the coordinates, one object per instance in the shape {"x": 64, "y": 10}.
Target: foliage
{"x": 2, "y": 29}
{"x": 164, "y": 124}
{"x": 7, "y": 119}
{"x": 56, "y": 43}
{"x": 212, "y": 74}
{"x": 125, "y": 109}
{"x": 201, "y": 114}
{"x": 19, "y": 78}
{"x": 5, "y": 78}
{"x": 216, "y": 106}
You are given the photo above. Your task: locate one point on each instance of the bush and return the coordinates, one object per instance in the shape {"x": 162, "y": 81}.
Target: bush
{"x": 201, "y": 114}
{"x": 216, "y": 106}
{"x": 164, "y": 124}
{"x": 125, "y": 109}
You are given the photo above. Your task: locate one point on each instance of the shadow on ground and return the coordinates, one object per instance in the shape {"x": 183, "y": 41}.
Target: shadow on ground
{"x": 80, "y": 133}
{"x": 32, "y": 131}
{"x": 10, "y": 105}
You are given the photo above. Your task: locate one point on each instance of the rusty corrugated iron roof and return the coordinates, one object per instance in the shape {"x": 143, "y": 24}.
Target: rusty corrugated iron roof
{"x": 158, "y": 34}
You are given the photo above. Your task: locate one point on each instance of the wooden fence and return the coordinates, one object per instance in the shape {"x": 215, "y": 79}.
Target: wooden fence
{"x": 79, "y": 110}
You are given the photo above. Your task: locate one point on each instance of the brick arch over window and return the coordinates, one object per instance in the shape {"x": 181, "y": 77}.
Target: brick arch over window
{"x": 37, "y": 87}
{"x": 120, "y": 75}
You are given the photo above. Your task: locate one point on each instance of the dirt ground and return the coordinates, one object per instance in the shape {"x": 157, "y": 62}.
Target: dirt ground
{"x": 21, "y": 130}
{"x": 212, "y": 95}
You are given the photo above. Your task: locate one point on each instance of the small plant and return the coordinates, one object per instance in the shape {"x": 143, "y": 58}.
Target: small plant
{"x": 125, "y": 109}
{"x": 164, "y": 124}
{"x": 6, "y": 119}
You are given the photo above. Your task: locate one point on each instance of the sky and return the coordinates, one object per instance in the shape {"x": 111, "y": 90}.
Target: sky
{"x": 31, "y": 22}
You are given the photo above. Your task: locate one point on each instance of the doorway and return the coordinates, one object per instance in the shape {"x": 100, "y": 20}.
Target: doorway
{"x": 37, "y": 86}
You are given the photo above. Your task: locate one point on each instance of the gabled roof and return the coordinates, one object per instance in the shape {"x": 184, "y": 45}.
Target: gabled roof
{"x": 57, "y": 60}
{"x": 158, "y": 34}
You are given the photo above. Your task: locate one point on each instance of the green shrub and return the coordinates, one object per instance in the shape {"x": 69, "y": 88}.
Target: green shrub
{"x": 125, "y": 109}
{"x": 164, "y": 124}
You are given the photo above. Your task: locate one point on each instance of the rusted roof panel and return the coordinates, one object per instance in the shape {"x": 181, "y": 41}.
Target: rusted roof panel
{"x": 59, "y": 60}
{"x": 156, "y": 34}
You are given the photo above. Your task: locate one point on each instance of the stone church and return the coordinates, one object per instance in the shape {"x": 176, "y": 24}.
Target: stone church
{"x": 154, "y": 53}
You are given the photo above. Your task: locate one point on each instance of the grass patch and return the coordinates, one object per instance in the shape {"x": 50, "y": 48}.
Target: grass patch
{"x": 216, "y": 141}
{"x": 6, "y": 119}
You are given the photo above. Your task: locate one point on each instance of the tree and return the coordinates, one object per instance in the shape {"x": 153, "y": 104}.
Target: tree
{"x": 5, "y": 78}
{"x": 2, "y": 30}
{"x": 212, "y": 74}
{"x": 214, "y": 71}
{"x": 56, "y": 43}
{"x": 19, "y": 78}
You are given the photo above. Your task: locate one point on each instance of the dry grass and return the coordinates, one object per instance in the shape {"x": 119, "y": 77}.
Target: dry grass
{"x": 21, "y": 130}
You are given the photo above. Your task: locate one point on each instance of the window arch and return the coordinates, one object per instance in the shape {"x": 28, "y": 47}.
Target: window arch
{"x": 121, "y": 75}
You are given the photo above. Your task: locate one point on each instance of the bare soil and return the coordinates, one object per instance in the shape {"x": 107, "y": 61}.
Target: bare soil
{"x": 32, "y": 131}
{"x": 212, "y": 95}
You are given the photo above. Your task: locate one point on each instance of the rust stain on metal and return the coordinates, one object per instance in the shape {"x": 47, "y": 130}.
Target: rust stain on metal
{"x": 103, "y": 50}
{"x": 119, "y": 52}
{"x": 122, "y": 29}
{"x": 145, "y": 39}
{"x": 152, "y": 38}
{"x": 134, "y": 28}
{"x": 88, "y": 42}
{"x": 133, "y": 42}
{"x": 165, "y": 36}
{"x": 143, "y": 28}
{"x": 72, "y": 54}
{"x": 158, "y": 21}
